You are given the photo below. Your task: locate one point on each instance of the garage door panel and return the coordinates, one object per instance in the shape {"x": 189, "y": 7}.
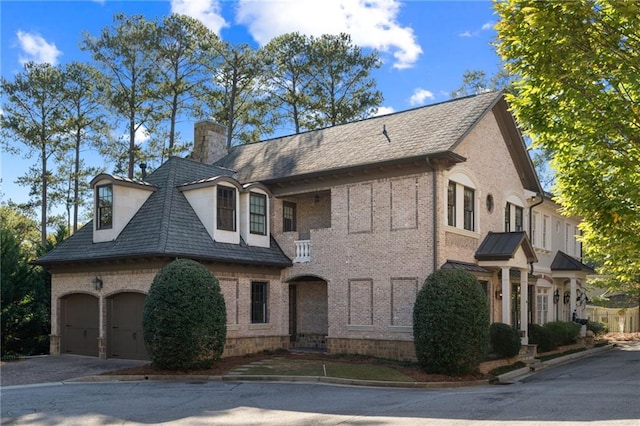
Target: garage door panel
{"x": 79, "y": 315}
{"x": 124, "y": 326}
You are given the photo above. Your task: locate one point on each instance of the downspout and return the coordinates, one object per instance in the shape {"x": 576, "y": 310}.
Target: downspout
{"x": 531, "y": 223}
{"x": 434, "y": 197}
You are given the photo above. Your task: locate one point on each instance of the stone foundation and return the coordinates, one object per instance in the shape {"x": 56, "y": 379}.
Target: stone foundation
{"x": 308, "y": 340}
{"x": 238, "y": 346}
{"x": 54, "y": 344}
{"x": 392, "y": 349}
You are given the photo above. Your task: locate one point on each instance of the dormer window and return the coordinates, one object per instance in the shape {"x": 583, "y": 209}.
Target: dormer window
{"x": 258, "y": 213}
{"x": 226, "y": 208}
{"x": 104, "y": 203}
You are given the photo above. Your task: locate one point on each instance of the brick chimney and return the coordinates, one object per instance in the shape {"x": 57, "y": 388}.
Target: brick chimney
{"x": 209, "y": 142}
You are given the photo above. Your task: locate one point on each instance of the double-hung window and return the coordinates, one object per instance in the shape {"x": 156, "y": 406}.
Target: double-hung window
{"x": 451, "y": 204}
{"x": 513, "y": 215}
{"x": 288, "y": 216}
{"x": 469, "y": 209}
{"x": 258, "y": 213}
{"x": 226, "y": 208}
{"x": 104, "y": 203}
{"x": 259, "y": 302}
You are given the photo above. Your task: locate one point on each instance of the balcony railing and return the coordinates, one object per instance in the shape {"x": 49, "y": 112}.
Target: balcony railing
{"x": 303, "y": 251}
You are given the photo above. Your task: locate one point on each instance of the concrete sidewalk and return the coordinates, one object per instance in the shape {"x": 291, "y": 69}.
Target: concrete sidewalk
{"x": 58, "y": 368}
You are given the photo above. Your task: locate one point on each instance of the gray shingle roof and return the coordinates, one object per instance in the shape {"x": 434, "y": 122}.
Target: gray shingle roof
{"x": 466, "y": 266}
{"x": 166, "y": 226}
{"x": 420, "y": 132}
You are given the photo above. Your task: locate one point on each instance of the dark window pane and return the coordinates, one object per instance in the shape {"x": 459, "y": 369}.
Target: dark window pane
{"x": 451, "y": 204}
{"x": 519, "y": 214}
{"x": 104, "y": 203}
{"x": 226, "y": 209}
{"x": 259, "y": 302}
{"x": 469, "y": 209}
{"x": 258, "y": 214}
{"x": 288, "y": 217}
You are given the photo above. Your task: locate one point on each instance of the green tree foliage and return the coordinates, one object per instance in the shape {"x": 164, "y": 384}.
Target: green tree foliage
{"x": 578, "y": 65}
{"x": 33, "y": 115}
{"x": 25, "y": 292}
{"x": 451, "y": 323}
{"x": 184, "y": 317}
{"x": 238, "y": 99}
{"x": 85, "y": 127}
{"x": 126, "y": 54}
{"x": 185, "y": 50}
{"x": 289, "y": 77}
{"x": 505, "y": 340}
{"x": 342, "y": 89}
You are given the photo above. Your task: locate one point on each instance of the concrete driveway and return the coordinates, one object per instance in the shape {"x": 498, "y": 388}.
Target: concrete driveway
{"x": 58, "y": 368}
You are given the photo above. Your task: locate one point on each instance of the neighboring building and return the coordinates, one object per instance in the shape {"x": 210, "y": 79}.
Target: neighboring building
{"x": 323, "y": 239}
{"x": 617, "y": 311}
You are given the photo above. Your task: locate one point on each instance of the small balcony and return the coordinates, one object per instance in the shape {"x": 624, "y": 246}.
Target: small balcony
{"x": 303, "y": 251}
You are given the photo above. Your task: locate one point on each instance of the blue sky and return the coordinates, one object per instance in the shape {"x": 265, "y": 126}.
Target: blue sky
{"x": 425, "y": 45}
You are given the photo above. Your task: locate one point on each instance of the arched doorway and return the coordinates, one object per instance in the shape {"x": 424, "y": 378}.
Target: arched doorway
{"x": 308, "y": 312}
{"x": 124, "y": 326}
{"x": 79, "y": 324}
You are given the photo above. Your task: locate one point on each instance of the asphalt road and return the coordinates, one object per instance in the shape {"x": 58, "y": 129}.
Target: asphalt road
{"x": 600, "y": 389}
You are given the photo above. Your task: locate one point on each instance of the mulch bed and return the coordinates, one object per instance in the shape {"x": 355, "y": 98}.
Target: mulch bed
{"x": 224, "y": 365}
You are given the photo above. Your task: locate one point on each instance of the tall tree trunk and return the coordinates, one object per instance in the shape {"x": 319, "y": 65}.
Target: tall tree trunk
{"x": 43, "y": 207}
{"x": 76, "y": 174}
{"x": 132, "y": 145}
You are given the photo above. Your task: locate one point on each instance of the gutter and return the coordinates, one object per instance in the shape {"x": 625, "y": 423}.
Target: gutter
{"x": 434, "y": 197}
{"x": 531, "y": 222}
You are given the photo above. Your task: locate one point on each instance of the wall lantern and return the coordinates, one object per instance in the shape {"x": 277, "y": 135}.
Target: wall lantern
{"x": 556, "y": 296}
{"x": 567, "y": 297}
{"x": 97, "y": 283}
{"x": 498, "y": 294}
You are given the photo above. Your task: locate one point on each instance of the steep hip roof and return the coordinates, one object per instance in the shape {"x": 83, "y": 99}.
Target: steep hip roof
{"x": 165, "y": 226}
{"x": 417, "y": 133}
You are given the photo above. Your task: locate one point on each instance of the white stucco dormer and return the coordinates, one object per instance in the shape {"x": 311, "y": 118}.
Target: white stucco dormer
{"x": 116, "y": 201}
{"x": 216, "y": 202}
{"x": 255, "y": 205}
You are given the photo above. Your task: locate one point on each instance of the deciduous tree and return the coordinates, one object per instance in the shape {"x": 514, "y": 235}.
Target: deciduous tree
{"x": 578, "y": 65}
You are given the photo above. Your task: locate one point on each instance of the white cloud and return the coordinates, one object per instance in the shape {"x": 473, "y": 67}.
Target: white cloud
{"x": 420, "y": 97}
{"x": 384, "y": 110}
{"x": 465, "y": 34}
{"x": 206, "y": 11}
{"x": 142, "y": 135}
{"x": 35, "y": 48}
{"x": 371, "y": 23}
{"x": 487, "y": 26}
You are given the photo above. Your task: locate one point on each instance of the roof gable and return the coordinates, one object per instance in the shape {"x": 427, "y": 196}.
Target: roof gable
{"x": 414, "y": 134}
{"x": 564, "y": 262}
{"x": 504, "y": 245}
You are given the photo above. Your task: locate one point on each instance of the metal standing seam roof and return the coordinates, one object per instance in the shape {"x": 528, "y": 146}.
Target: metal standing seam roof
{"x": 470, "y": 267}
{"x": 503, "y": 246}
{"x": 419, "y": 132}
{"x": 165, "y": 226}
{"x": 564, "y": 262}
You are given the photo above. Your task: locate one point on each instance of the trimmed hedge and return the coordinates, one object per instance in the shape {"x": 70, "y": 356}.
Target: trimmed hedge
{"x": 538, "y": 335}
{"x": 451, "y": 323}
{"x": 597, "y": 328}
{"x": 184, "y": 318}
{"x": 563, "y": 333}
{"x": 505, "y": 340}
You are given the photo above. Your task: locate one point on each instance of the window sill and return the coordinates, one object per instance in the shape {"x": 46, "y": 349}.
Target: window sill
{"x": 265, "y": 326}
{"x": 360, "y": 327}
{"x": 463, "y": 232}
{"x": 401, "y": 328}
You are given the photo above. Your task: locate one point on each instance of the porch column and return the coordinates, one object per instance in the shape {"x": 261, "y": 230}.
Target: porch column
{"x": 572, "y": 301}
{"x": 524, "y": 296}
{"x": 506, "y": 297}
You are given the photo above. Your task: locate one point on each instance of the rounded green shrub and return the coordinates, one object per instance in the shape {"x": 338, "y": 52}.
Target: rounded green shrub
{"x": 184, "y": 318}
{"x": 451, "y": 323}
{"x": 563, "y": 333}
{"x": 538, "y": 335}
{"x": 597, "y": 328}
{"x": 505, "y": 340}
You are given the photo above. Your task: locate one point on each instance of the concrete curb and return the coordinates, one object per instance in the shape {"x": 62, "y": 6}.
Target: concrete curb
{"x": 506, "y": 378}
{"x": 291, "y": 379}
{"x": 527, "y": 371}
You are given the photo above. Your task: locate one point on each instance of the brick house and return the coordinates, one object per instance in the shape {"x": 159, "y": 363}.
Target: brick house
{"x": 322, "y": 239}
